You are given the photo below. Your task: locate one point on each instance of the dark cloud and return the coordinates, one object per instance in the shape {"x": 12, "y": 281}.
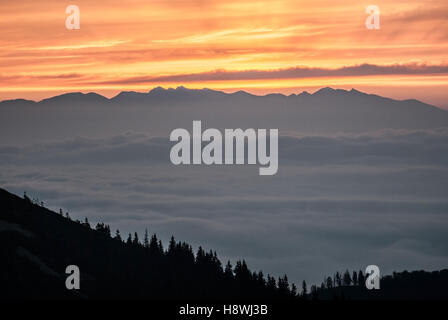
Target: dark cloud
{"x": 291, "y": 73}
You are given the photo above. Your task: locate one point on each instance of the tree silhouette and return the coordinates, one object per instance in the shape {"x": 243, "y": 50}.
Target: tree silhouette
{"x": 146, "y": 270}
{"x": 283, "y": 285}
{"x": 338, "y": 279}
{"x": 136, "y": 241}
{"x": 26, "y": 198}
{"x": 329, "y": 283}
{"x": 361, "y": 279}
{"x": 271, "y": 282}
{"x": 355, "y": 278}
{"x": 347, "y": 280}
{"x": 293, "y": 290}
{"x": 304, "y": 290}
{"x": 146, "y": 239}
{"x": 172, "y": 246}
{"x": 314, "y": 293}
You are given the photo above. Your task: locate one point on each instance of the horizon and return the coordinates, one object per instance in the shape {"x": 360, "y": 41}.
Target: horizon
{"x": 275, "y": 47}
{"x": 166, "y": 88}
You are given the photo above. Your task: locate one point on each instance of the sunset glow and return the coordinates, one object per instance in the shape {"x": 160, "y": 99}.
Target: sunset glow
{"x": 224, "y": 45}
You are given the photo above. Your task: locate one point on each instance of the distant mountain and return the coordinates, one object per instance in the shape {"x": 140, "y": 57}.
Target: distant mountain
{"x": 89, "y": 98}
{"x": 161, "y": 110}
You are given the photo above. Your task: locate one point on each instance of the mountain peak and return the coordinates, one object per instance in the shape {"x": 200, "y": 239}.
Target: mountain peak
{"x": 304, "y": 94}
{"x": 157, "y": 89}
{"x": 90, "y": 96}
{"x": 324, "y": 91}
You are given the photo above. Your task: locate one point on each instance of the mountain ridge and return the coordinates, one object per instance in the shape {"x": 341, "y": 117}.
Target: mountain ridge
{"x": 160, "y": 110}
{"x": 325, "y": 92}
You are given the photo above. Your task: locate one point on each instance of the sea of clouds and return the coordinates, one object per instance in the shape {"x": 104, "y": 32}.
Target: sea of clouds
{"x": 337, "y": 201}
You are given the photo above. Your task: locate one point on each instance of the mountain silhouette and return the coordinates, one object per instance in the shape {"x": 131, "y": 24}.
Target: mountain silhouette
{"x": 161, "y": 110}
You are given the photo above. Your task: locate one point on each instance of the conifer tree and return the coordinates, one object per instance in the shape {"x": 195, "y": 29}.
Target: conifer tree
{"x": 293, "y": 290}
{"x": 361, "y": 278}
{"x": 355, "y": 278}
{"x": 172, "y": 245}
{"x": 347, "y": 280}
{"x": 304, "y": 290}
{"x": 129, "y": 240}
{"x": 146, "y": 239}
{"x": 228, "y": 272}
{"x": 136, "y": 241}
{"x": 329, "y": 283}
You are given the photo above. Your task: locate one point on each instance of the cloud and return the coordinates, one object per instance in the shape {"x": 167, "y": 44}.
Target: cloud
{"x": 290, "y": 73}
{"x": 395, "y": 147}
{"x": 337, "y": 202}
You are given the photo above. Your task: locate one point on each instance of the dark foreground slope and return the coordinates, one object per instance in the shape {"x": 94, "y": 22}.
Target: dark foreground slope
{"x": 415, "y": 285}
{"x": 38, "y": 244}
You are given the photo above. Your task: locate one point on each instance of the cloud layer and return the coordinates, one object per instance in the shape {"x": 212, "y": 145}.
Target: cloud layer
{"x": 337, "y": 201}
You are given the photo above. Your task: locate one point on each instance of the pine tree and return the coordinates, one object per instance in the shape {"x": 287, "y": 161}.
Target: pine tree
{"x": 283, "y": 285}
{"x": 329, "y": 283}
{"x": 347, "y": 280}
{"x": 172, "y": 245}
{"x": 136, "y": 241}
{"x": 355, "y": 278}
{"x": 338, "y": 279}
{"x": 293, "y": 290}
{"x": 146, "y": 239}
{"x": 160, "y": 246}
{"x": 272, "y": 285}
{"x": 361, "y": 278}
{"x": 129, "y": 240}
{"x": 304, "y": 290}
{"x": 117, "y": 235}
{"x": 228, "y": 272}
{"x": 107, "y": 230}
{"x": 314, "y": 292}
{"x": 260, "y": 278}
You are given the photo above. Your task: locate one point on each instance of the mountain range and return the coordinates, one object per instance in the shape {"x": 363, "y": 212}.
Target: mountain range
{"x": 159, "y": 111}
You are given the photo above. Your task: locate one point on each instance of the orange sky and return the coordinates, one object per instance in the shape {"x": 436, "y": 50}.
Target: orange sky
{"x": 259, "y": 46}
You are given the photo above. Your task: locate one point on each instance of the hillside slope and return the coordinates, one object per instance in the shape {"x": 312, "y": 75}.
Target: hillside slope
{"x": 38, "y": 244}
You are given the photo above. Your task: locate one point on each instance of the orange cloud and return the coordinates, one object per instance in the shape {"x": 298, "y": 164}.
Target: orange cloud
{"x": 141, "y": 42}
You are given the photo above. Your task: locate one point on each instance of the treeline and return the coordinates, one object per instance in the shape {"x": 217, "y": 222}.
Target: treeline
{"x": 113, "y": 266}
{"x": 142, "y": 267}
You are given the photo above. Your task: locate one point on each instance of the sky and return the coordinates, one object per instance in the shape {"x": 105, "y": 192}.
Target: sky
{"x": 266, "y": 46}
